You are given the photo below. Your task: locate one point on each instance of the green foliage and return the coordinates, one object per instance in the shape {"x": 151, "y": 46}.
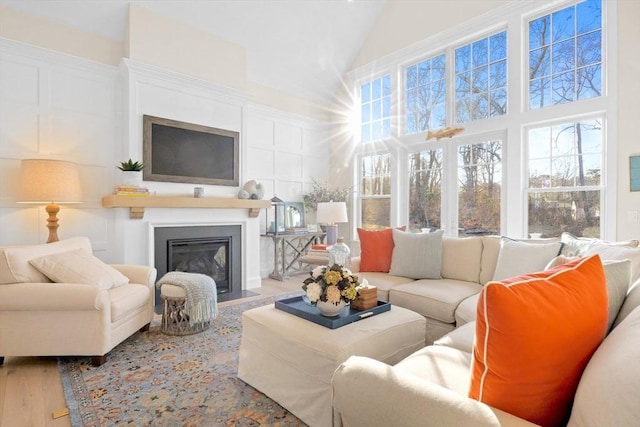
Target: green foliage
{"x": 130, "y": 165}
{"x": 322, "y": 193}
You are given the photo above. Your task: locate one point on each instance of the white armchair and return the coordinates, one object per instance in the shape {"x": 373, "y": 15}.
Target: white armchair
{"x": 87, "y": 316}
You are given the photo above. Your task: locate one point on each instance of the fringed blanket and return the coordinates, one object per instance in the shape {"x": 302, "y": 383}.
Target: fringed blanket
{"x": 201, "y": 301}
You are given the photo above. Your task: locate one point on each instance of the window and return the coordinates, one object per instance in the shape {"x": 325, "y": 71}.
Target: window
{"x": 565, "y": 166}
{"x": 425, "y": 92}
{"x": 481, "y": 79}
{"x": 425, "y": 189}
{"x": 565, "y": 55}
{"x": 375, "y": 191}
{"x": 479, "y": 188}
{"x": 375, "y": 107}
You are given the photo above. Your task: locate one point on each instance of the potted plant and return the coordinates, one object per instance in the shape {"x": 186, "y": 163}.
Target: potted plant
{"x": 321, "y": 192}
{"x": 131, "y": 173}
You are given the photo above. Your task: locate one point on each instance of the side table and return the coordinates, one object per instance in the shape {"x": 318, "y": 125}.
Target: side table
{"x": 288, "y": 249}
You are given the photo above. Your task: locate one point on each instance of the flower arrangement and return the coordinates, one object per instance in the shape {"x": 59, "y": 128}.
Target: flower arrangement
{"x": 331, "y": 284}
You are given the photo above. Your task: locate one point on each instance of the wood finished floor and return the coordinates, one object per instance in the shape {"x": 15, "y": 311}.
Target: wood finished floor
{"x": 31, "y": 389}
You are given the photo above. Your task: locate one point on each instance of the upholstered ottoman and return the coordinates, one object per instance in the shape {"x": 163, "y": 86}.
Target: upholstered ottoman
{"x": 292, "y": 360}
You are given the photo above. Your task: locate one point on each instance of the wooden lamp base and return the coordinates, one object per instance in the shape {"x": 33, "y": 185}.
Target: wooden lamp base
{"x": 52, "y": 222}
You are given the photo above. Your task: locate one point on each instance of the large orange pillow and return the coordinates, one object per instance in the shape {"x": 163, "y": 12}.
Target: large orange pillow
{"x": 376, "y": 248}
{"x": 534, "y": 336}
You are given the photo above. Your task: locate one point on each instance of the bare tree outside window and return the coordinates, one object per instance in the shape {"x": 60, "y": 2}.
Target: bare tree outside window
{"x": 479, "y": 188}
{"x": 375, "y": 191}
{"x": 425, "y": 189}
{"x": 565, "y": 55}
{"x": 565, "y": 165}
{"x": 425, "y": 95}
{"x": 481, "y": 79}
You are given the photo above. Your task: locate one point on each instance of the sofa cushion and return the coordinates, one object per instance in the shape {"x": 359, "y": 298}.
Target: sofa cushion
{"x": 417, "y": 255}
{"x": 610, "y": 385}
{"x": 17, "y": 259}
{"x": 460, "y": 338}
{"x": 437, "y": 299}
{"x": 534, "y": 336}
{"x": 577, "y": 246}
{"x": 461, "y": 258}
{"x": 376, "y": 248}
{"x": 518, "y": 258}
{"x": 79, "y": 266}
{"x": 630, "y": 303}
{"x": 611, "y": 252}
{"x": 467, "y": 310}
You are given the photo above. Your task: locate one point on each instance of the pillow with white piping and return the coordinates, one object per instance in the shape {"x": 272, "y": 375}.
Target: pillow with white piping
{"x": 517, "y": 258}
{"x": 79, "y": 266}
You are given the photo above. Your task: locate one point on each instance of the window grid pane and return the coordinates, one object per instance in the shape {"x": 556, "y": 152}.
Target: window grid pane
{"x": 375, "y": 191}
{"x": 425, "y": 94}
{"x": 425, "y": 189}
{"x": 565, "y": 55}
{"x": 375, "y": 108}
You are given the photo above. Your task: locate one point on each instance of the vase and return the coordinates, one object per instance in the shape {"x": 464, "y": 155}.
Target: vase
{"x": 132, "y": 178}
{"x": 329, "y": 309}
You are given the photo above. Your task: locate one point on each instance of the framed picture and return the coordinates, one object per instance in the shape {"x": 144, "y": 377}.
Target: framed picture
{"x": 312, "y": 228}
{"x": 634, "y": 172}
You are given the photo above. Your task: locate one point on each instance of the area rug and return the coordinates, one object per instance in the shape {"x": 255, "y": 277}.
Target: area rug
{"x": 153, "y": 379}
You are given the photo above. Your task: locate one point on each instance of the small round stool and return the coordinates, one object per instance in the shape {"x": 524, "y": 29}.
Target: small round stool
{"x": 174, "y": 319}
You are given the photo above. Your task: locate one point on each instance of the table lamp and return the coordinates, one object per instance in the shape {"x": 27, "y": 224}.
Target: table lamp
{"x": 51, "y": 182}
{"x": 331, "y": 213}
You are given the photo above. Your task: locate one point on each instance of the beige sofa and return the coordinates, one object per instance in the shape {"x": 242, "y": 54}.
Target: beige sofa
{"x": 86, "y": 316}
{"x": 430, "y": 387}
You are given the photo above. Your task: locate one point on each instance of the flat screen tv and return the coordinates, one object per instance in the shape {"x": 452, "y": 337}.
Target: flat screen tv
{"x": 176, "y": 151}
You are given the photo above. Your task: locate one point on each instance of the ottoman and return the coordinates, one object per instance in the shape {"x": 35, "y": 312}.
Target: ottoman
{"x": 175, "y": 320}
{"x": 292, "y": 360}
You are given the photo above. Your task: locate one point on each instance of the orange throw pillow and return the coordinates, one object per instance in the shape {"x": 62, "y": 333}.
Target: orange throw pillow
{"x": 376, "y": 248}
{"x": 534, "y": 336}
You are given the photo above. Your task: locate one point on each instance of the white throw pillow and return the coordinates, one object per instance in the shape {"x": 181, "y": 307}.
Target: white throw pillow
{"x": 79, "y": 266}
{"x": 516, "y": 258}
{"x": 608, "y": 391}
{"x": 417, "y": 255}
{"x": 17, "y": 259}
{"x": 614, "y": 252}
{"x": 578, "y": 246}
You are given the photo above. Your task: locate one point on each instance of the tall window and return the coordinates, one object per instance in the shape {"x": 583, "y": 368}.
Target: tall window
{"x": 425, "y": 189}
{"x": 375, "y": 107}
{"x": 425, "y": 94}
{"x": 375, "y": 191}
{"x": 479, "y": 188}
{"x": 565, "y": 165}
{"x": 481, "y": 79}
{"x": 565, "y": 55}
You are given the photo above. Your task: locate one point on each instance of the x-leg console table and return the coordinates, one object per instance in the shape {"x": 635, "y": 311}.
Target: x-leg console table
{"x": 287, "y": 251}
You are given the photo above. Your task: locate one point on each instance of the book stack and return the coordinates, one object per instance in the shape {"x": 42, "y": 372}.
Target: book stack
{"x": 123, "y": 190}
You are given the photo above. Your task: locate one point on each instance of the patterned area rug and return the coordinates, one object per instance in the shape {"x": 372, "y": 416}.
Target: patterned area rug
{"x": 153, "y": 379}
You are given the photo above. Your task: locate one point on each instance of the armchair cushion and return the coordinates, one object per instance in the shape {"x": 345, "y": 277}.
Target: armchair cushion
{"x": 79, "y": 266}
{"x": 14, "y": 261}
{"x": 534, "y": 336}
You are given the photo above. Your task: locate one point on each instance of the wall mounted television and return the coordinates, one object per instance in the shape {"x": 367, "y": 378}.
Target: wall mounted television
{"x": 175, "y": 151}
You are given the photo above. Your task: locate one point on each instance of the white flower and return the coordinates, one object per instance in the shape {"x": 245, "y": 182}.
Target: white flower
{"x": 314, "y": 291}
{"x": 317, "y": 272}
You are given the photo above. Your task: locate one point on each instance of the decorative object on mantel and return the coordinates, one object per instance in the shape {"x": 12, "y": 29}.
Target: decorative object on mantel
{"x": 49, "y": 182}
{"x": 331, "y": 288}
{"x": 321, "y": 192}
{"x": 251, "y": 190}
{"x": 275, "y": 217}
{"x": 331, "y": 213}
{"x": 131, "y": 173}
{"x": 131, "y": 191}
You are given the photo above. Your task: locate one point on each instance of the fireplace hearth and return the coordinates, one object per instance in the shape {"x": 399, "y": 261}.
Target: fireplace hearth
{"x": 213, "y": 250}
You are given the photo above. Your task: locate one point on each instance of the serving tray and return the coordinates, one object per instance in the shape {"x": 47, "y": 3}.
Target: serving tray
{"x": 298, "y": 307}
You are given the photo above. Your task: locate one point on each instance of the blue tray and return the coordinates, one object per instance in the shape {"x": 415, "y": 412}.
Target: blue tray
{"x": 298, "y": 307}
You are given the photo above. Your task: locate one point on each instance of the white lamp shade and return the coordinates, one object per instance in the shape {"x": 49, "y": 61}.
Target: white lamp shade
{"x": 49, "y": 181}
{"x": 332, "y": 212}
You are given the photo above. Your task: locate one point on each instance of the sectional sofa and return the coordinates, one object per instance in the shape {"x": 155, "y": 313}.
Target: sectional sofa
{"x": 461, "y": 380}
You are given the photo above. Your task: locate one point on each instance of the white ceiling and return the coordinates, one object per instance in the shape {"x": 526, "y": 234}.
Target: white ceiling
{"x": 302, "y": 47}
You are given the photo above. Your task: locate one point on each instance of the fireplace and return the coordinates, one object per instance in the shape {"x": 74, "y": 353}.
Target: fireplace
{"x": 212, "y": 250}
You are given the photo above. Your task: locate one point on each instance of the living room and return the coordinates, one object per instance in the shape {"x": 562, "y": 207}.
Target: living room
{"x": 72, "y": 94}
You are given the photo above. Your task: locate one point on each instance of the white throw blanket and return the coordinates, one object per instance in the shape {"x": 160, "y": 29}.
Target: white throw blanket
{"x": 201, "y": 300}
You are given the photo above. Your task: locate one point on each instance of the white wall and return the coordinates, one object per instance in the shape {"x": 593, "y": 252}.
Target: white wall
{"x": 62, "y": 107}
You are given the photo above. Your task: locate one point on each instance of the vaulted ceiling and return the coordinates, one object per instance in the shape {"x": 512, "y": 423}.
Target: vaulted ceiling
{"x": 302, "y": 47}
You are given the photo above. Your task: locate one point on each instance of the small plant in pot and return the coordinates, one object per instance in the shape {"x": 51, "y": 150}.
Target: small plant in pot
{"x": 131, "y": 173}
